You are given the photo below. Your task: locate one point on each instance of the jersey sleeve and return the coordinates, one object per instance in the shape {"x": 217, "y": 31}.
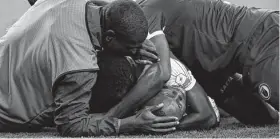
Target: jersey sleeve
{"x": 181, "y": 76}
{"x": 72, "y": 95}
{"x": 155, "y": 19}
{"x": 156, "y": 24}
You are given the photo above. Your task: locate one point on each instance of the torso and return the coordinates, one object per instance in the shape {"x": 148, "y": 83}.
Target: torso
{"x": 210, "y": 32}
{"x": 47, "y": 42}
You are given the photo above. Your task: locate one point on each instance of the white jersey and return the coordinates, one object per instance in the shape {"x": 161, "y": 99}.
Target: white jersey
{"x": 182, "y": 77}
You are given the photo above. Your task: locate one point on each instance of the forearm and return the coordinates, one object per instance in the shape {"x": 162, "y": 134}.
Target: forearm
{"x": 197, "y": 121}
{"x": 163, "y": 51}
{"x": 150, "y": 82}
{"x": 72, "y": 94}
{"x": 89, "y": 125}
{"x": 147, "y": 86}
{"x": 202, "y": 115}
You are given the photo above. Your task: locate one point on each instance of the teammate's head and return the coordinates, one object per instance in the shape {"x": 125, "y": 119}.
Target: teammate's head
{"x": 174, "y": 100}
{"x": 115, "y": 78}
{"x": 125, "y": 27}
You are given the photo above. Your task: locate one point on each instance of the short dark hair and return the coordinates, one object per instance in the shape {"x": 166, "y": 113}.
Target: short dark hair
{"x": 115, "y": 78}
{"x": 127, "y": 19}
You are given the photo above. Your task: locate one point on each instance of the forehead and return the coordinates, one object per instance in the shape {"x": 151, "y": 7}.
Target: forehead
{"x": 131, "y": 41}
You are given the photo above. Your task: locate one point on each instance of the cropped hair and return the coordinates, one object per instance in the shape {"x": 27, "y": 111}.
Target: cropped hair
{"x": 127, "y": 19}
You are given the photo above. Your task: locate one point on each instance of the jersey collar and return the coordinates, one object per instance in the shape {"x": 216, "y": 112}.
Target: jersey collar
{"x": 93, "y": 18}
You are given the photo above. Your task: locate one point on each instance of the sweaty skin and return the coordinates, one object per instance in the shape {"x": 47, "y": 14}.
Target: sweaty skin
{"x": 202, "y": 114}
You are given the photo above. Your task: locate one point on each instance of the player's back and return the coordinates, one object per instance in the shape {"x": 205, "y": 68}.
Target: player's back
{"x": 35, "y": 52}
{"x": 210, "y": 31}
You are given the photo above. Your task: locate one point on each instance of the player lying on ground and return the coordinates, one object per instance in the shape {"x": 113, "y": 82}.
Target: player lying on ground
{"x": 49, "y": 65}
{"x": 216, "y": 39}
{"x": 117, "y": 75}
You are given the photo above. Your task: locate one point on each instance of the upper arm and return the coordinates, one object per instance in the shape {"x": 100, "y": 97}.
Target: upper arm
{"x": 156, "y": 35}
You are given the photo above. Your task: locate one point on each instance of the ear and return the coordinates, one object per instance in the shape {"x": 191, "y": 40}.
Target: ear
{"x": 109, "y": 35}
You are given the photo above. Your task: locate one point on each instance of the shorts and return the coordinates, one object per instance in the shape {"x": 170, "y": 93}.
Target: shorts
{"x": 258, "y": 101}
{"x": 261, "y": 69}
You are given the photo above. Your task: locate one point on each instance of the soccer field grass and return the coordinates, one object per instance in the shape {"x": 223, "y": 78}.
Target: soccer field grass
{"x": 229, "y": 127}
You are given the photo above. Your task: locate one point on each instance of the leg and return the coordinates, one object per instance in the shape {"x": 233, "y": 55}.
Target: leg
{"x": 263, "y": 74}
{"x": 249, "y": 109}
{"x": 251, "y": 102}
{"x": 256, "y": 99}
{"x": 264, "y": 81}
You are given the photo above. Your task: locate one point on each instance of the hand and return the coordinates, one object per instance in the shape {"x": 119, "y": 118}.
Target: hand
{"x": 145, "y": 120}
{"x": 147, "y": 54}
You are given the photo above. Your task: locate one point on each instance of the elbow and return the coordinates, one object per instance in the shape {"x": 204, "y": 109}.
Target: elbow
{"x": 165, "y": 73}
{"x": 210, "y": 120}
{"x": 68, "y": 131}
{"x": 165, "y": 76}
{"x": 72, "y": 130}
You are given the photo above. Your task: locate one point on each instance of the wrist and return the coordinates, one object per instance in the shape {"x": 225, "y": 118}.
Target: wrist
{"x": 127, "y": 125}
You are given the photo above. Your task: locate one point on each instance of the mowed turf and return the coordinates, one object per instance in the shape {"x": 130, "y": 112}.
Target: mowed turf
{"x": 229, "y": 127}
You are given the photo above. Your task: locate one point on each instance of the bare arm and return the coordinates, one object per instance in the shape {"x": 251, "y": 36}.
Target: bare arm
{"x": 203, "y": 115}
{"x": 72, "y": 117}
{"x": 147, "y": 87}
{"x": 154, "y": 78}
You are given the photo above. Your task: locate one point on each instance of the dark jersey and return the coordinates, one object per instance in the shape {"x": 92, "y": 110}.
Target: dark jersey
{"x": 212, "y": 32}
{"x": 154, "y": 16}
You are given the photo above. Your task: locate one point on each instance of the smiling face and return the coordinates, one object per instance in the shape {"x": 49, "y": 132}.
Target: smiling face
{"x": 174, "y": 101}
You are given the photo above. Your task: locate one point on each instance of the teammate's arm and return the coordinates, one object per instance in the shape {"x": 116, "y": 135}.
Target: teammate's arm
{"x": 155, "y": 76}
{"x": 202, "y": 115}
{"x": 72, "y": 94}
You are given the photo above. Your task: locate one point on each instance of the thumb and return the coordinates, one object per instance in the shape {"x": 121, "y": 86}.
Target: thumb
{"x": 156, "y": 107}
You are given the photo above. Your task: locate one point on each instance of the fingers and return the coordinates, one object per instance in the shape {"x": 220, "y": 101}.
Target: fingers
{"x": 165, "y": 119}
{"x": 148, "y": 54}
{"x": 159, "y": 130}
{"x": 150, "y": 48}
{"x": 157, "y": 107}
{"x": 165, "y": 125}
{"x": 144, "y": 62}
{"x": 149, "y": 45}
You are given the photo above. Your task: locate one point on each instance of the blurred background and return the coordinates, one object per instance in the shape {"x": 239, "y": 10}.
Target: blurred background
{"x": 11, "y": 10}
